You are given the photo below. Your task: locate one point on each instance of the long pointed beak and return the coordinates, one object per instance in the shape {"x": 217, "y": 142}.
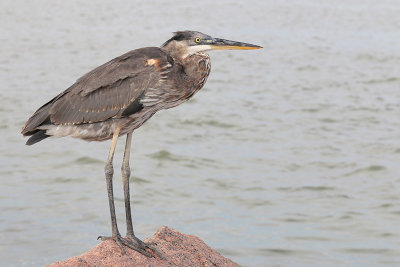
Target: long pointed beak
{"x": 217, "y": 43}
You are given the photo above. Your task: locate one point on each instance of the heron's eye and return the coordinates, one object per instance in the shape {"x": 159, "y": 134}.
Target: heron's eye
{"x": 197, "y": 39}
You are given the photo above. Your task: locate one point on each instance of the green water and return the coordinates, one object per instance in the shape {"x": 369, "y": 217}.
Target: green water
{"x": 289, "y": 156}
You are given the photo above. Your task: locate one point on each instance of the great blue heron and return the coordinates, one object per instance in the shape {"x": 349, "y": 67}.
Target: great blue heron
{"x": 119, "y": 96}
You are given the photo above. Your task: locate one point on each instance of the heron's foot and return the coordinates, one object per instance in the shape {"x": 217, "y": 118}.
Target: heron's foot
{"x": 135, "y": 244}
{"x": 144, "y": 245}
{"x": 117, "y": 238}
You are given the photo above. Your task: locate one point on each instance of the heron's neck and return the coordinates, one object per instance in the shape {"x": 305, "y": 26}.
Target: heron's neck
{"x": 181, "y": 52}
{"x": 174, "y": 50}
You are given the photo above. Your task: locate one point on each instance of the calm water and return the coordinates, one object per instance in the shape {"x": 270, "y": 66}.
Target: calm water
{"x": 288, "y": 157}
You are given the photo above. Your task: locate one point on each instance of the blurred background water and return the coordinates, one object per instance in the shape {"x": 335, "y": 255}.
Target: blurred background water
{"x": 289, "y": 156}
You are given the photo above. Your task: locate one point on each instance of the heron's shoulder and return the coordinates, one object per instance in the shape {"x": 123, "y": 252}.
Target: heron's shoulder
{"x": 146, "y": 56}
{"x": 145, "y": 52}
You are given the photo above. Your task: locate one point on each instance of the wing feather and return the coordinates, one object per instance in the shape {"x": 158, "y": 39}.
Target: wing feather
{"x": 107, "y": 91}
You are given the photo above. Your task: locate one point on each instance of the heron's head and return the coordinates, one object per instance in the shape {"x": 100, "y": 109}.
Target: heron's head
{"x": 186, "y": 43}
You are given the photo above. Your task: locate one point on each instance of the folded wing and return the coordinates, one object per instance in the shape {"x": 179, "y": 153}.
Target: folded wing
{"x": 112, "y": 90}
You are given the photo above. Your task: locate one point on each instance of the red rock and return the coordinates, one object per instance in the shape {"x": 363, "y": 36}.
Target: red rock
{"x": 177, "y": 249}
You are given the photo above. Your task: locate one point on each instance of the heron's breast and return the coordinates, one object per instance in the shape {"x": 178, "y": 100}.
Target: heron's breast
{"x": 204, "y": 69}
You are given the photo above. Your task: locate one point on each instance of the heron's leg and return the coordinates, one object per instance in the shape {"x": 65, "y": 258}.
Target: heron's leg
{"x": 109, "y": 171}
{"x": 135, "y": 243}
{"x": 126, "y": 172}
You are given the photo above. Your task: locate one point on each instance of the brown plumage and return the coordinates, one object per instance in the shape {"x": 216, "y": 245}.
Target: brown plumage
{"x": 119, "y": 96}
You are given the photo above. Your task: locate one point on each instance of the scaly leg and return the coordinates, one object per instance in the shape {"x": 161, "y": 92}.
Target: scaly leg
{"x": 135, "y": 243}
{"x": 126, "y": 172}
{"x": 109, "y": 171}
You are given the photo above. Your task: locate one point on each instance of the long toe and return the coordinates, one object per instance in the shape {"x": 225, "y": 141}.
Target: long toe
{"x": 118, "y": 239}
{"x": 136, "y": 247}
{"x": 136, "y": 242}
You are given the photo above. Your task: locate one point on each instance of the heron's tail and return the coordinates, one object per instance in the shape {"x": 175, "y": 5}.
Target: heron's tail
{"x": 37, "y": 137}
{"x": 39, "y": 118}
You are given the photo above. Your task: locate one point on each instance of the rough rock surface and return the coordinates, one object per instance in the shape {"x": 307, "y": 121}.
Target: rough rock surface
{"x": 176, "y": 248}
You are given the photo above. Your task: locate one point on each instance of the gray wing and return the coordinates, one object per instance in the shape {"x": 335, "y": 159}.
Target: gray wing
{"x": 112, "y": 90}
